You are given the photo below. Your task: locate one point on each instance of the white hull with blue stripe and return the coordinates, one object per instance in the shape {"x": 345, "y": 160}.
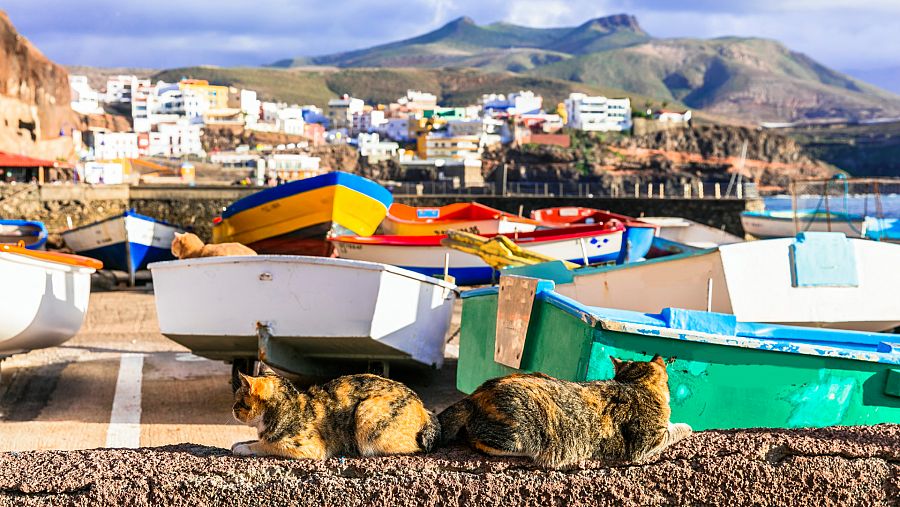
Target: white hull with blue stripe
{"x": 126, "y": 242}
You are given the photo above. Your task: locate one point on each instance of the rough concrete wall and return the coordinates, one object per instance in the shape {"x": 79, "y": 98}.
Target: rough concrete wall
{"x": 27, "y": 202}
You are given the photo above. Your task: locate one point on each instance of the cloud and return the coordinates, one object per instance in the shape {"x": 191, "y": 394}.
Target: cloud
{"x": 165, "y": 33}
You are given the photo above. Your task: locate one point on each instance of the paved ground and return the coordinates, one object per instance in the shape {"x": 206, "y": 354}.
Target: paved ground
{"x": 62, "y": 398}
{"x": 56, "y": 403}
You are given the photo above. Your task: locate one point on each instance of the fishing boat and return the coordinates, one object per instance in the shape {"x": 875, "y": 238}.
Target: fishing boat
{"x": 691, "y": 233}
{"x": 126, "y": 242}
{"x": 30, "y": 234}
{"x": 427, "y": 255}
{"x": 403, "y": 220}
{"x": 817, "y": 279}
{"x": 305, "y": 315}
{"x": 44, "y": 299}
{"x": 297, "y": 217}
{"x": 723, "y": 373}
{"x": 638, "y": 234}
{"x": 785, "y": 224}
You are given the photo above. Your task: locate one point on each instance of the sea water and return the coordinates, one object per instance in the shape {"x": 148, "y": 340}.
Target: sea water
{"x": 865, "y": 204}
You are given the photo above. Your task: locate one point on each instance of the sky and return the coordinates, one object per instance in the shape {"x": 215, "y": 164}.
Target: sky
{"x": 843, "y": 34}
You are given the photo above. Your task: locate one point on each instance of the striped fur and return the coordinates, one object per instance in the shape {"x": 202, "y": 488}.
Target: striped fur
{"x": 559, "y": 423}
{"x": 355, "y": 415}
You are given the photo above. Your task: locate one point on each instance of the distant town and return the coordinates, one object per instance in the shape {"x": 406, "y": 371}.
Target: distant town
{"x": 168, "y": 120}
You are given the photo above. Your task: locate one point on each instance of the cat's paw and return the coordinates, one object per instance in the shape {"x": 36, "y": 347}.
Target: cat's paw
{"x": 242, "y": 449}
{"x": 680, "y": 430}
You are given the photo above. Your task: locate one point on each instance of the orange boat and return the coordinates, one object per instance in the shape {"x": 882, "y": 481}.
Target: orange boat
{"x": 403, "y": 220}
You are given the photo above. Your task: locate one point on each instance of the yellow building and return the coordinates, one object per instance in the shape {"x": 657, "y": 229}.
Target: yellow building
{"x": 217, "y": 95}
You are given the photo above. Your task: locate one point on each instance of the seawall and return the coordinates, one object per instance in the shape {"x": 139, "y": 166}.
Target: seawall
{"x": 64, "y": 206}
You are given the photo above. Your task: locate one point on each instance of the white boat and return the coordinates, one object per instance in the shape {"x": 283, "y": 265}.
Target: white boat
{"x": 307, "y": 315}
{"x": 782, "y": 224}
{"x": 426, "y": 254}
{"x": 44, "y": 298}
{"x": 126, "y": 242}
{"x": 817, "y": 279}
{"x": 688, "y": 232}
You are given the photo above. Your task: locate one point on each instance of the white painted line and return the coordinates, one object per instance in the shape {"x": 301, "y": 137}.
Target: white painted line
{"x": 125, "y": 419}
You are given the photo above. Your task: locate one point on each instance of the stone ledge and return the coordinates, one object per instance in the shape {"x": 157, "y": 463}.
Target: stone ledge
{"x": 830, "y": 466}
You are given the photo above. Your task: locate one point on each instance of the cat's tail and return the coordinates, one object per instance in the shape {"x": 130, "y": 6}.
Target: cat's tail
{"x": 454, "y": 418}
{"x": 430, "y": 433}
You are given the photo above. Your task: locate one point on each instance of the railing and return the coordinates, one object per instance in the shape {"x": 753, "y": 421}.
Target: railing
{"x": 696, "y": 190}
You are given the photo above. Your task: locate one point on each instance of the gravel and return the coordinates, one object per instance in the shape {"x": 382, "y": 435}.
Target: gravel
{"x": 830, "y": 466}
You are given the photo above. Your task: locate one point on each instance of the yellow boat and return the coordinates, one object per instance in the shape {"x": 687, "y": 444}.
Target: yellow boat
{"x": 403, "y": 220}
{"x": 297, "y": 217}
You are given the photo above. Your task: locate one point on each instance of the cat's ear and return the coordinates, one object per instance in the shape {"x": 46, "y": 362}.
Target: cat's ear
{"x": 245, "y": 380}
{"x": 179, "y": 234}
{"x": 658, "y": 360}
{"x": 262, "y": 387}
{"x": 617, "y": 363}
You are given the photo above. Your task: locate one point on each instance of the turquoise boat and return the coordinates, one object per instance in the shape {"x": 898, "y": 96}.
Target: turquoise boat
{"x": 724, "y": 374}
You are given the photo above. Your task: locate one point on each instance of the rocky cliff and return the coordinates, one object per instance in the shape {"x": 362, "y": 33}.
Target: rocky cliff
{"x": 34, "y": 99}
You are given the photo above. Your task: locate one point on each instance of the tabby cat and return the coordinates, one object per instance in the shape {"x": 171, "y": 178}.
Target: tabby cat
{"x": 559, "y": 423}
{"x": 355, "y": 415}
{"x": 187, "y": 245}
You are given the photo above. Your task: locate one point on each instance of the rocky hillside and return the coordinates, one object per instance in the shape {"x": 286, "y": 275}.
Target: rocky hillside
{"x": 34, "y": 98}
{"x": 675, "y": 157}
{"x": 746, "y": 79}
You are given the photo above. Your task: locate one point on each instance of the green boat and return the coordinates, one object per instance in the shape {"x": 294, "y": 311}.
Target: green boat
{"x": 724, "y": 374}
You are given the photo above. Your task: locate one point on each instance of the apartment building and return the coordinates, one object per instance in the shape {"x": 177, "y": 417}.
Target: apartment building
{"x": 598, "y": 114}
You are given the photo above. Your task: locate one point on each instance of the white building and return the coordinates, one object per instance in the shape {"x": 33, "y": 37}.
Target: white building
{"x": 115, "y": 145}
{"x": 176, "y": 140}
{"x": 367, "y": 121}
{"x": 598, "y": 114}
{"x": 516, "y": 103}
{"x": 340, "y": 111}
{"x": 490, "y": 131}
{"x": 196, "y": 103}
{"x": 452, "y": 148}
{"x": 372, "y": 147}
{"x": 416, "y": 101}
{"x": 673, "y": 116}
{"x": 293, "y": 166}
{"x": 85, "y": 100}
{"x": 118, "y": 89}
{"x": 250, "y": 106}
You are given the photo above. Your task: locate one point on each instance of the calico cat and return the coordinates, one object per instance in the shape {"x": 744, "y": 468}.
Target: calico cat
{"x": 187, "y": 245}
{"x": 559, "y": 423}
{"x": 355, "y": 415}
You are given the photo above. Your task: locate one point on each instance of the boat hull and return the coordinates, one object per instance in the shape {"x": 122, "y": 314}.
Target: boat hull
{"x": 128, "y": 242}
{"x": 638, "y": 234}
{"x": 297, "y": 217}
{"x": 48, "y": 302}
{"x": 715, "y": 381}
{"x": 752, "y": 280}
{"x": 688, "y": 232}
{"x": 323, "y": 315}
{"x": 30, "y": 234}
{"x": 768, "y": 225}
{"x": 403, "y": 220}
{"x": 428, "y": 256}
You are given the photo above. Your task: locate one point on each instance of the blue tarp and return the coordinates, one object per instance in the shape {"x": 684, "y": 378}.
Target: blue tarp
{"x": 823, "y": 259}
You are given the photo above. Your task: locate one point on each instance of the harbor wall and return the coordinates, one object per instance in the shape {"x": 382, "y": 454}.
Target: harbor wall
{"x": 62, "y": 206}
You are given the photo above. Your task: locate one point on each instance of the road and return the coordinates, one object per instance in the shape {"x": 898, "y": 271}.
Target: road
{"x": 66, "y": 397}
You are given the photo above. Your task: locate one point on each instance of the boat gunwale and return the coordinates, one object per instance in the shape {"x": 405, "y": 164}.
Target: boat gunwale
{"x": 123, "y": 215}
{"x": 625, "y": 219}
{"x": 307, "y": 260}
{"x": 58, "y": 259}
{"x": 546, "y": 293}
{"x": 359, "y": 183}
{"x": 42, "y": 230}
{"x": 529, "y": 238}
{"x": 495, "y": 214}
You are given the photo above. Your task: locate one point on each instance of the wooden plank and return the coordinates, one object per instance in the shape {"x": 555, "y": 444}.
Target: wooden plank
{"x": 514, "y": 304}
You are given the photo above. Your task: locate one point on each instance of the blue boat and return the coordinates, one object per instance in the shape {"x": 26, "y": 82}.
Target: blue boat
{"x": 31, "y": 234}
{"x": 126, "y": 242}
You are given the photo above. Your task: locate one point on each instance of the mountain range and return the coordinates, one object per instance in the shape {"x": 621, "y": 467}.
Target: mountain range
{"x": 747, "y": 79}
